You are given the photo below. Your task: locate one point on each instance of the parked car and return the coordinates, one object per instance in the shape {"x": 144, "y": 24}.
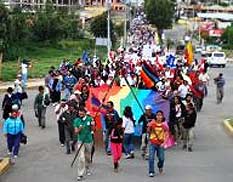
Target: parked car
{"x": 217, "y": 58}
{"x": 198, "y": 49}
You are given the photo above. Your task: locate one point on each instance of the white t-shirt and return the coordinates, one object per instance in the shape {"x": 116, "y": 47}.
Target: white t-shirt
{"x": 183, "y": 90}
{"x": 204, "y": 77}
{"x": 128, "y": 125}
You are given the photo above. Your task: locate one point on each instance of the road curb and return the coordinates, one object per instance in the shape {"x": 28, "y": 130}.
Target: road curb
{"x": 4, "y": 165}
{"x": 228, "y": 126}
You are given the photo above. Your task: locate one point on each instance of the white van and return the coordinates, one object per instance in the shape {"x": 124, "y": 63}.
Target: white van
{"x": 217, "y": 59}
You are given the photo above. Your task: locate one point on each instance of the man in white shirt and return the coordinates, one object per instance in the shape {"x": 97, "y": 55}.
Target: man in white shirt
{"x": 204, "y": 77}
{"x": 183, "y": 89}
{"x": 24, "y": 69}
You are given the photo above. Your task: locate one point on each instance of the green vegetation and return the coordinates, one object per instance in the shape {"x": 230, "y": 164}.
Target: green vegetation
{"x": 231, "y": 122}
{"x": 47, "y": 25}
{"x": 43, "y": 56}
{"x": 227, "y": 38}
{"x": 160, "y": 13}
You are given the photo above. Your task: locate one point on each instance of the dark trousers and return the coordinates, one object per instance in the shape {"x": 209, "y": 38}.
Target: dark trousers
{"x": 61, "y": 133}
{"x": 41, "y": 116}
{"x": 13, "y": 143}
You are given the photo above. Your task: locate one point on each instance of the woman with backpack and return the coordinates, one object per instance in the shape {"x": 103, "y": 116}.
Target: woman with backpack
{"x": 157, "y": 130}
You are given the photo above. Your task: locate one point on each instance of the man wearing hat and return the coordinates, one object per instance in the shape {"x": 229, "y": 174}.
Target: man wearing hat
{"x": 145, "y": 119}
{"x": 59, "y": 109}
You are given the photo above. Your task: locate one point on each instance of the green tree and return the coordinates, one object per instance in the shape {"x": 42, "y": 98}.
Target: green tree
{"x": 160, "y": 13}
{"x": 98, "y": 27}
{"x": 4, "y": 22}
{"x": 227, "y": 37}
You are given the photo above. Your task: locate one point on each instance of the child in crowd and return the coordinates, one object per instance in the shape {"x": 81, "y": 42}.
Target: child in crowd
{"x": 116, "y": 138}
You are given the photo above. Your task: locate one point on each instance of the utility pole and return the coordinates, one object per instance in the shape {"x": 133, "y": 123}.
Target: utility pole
{"x": 125, "y": 26}
{"x": 109, "y": 36}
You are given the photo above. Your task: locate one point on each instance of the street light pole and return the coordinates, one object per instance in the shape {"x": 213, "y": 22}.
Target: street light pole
{"x": 125, "y": 26}
{"x": 108, "y": 24}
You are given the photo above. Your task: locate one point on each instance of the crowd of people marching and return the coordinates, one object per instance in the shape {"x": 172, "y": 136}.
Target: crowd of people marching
{"x": 67, "y": 88}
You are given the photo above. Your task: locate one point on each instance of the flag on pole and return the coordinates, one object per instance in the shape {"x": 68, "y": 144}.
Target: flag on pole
{"x": 171, "y": 61}
{"x": 85, "y": 57}
{"x": 189, "y": 53}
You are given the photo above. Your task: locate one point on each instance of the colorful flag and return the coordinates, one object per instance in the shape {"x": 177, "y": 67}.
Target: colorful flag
{"x": 189, "y": 53}
{"x": 85, "y": 57}
{"x": 149, "y": 77}
{"x": 95, "y": 101}
{"x": 122, "y": 96}
{"x": 171, "y": 61}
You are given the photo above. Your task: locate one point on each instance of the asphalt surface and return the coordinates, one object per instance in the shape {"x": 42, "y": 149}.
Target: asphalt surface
{"x": 43, "y": 160}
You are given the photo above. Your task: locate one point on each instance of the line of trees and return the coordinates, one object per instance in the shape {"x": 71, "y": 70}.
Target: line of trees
{"x": 160, "y": 13}
{"x": 46, "y": 25}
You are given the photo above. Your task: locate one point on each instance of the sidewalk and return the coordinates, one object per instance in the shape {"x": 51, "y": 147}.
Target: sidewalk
{"x": 32, "y": 84}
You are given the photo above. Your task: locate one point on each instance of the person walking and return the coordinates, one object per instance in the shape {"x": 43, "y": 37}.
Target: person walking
{"x": 83, "y": 126}
{"x": 145, "y": 119}
{"x": 128, "y": 125}
{"x": 7, "y": 103}
{"x": 108, "y": 120}
{"x": 40, "y": 104}
{"x": 176, "y": 117}
{"x": 157, "y": 129}
{"x": 220, "y": 82}
{"x": 13, "y": 129}
{"x": 59, "y": 109}
{"x": 67, "y": 118}
{"x": 188, "y": 125}
{"x": 116, "y": 138}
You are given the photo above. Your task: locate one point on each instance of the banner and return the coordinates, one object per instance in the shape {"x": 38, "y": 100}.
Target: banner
{"x": 122, "y": 97}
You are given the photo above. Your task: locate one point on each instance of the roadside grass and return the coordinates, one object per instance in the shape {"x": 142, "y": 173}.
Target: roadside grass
{"x": 230, "y": 122}
{"x": 43, "y": 56}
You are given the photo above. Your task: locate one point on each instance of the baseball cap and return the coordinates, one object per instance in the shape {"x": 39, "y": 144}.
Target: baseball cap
{"x": 77, "y": 92}
{"x": 148, "y": 107}
{"x": 15, "y": 107}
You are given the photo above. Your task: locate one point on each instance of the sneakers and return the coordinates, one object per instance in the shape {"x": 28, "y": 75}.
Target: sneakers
{"x": 88, "y": 172}
{"x": 62, "y": 145}
{"x": 184, "y": 147}
{"x": 128, "y": 156}
{"x": 151, "y": 175}
{"x": 190, "y": 149}
{"x": 9, "y": 153}
{"x": 132, "y": 156}
{"x": 116, "y": 167}
{"x": 79, "y": 178}
{"x": 109, "y": 153}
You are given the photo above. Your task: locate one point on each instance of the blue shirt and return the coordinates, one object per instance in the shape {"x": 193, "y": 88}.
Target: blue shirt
{"x": 12, "y": 126}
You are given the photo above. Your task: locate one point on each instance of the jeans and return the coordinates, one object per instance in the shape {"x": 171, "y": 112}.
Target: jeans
{"x": 41, "y": 116}
{"x": 107, "y": 141}
{"x": 220, "y": 94}
{"x": 188, "y": 135}
{"x": 13, "y": 141}
{"x": 128, "y": 143}
{"x": 24, "y": 80}
{"x": 160, "y": 154}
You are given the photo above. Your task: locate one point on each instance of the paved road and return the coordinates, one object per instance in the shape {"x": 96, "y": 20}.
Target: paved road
{"x": 42, "y": 160}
